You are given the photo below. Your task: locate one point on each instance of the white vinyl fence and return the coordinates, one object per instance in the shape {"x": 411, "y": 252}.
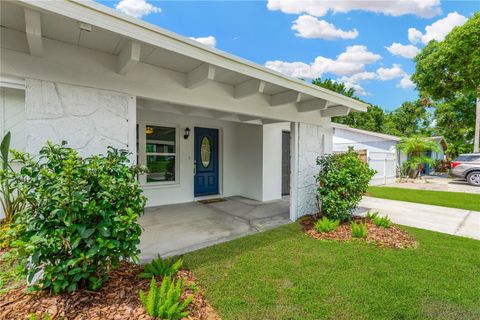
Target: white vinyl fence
{"x": 385, "y": 164}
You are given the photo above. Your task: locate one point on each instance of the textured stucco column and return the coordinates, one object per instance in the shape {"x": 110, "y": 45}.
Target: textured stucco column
{"x": 308, "y": 143}
{"x": 89, "y": 119}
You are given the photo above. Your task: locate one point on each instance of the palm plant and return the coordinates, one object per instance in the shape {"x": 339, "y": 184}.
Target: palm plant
{"x": 416, "y": 148}
{"x": 11, "y": 199}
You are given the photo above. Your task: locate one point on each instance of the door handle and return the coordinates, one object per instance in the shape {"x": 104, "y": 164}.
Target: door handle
{"x": 194, "y": 167}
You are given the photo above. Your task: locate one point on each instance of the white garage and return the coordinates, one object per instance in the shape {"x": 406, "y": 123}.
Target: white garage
{"x": 380, "y": 150}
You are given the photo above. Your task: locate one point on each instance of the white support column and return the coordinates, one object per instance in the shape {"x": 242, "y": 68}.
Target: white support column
{"x": 132, "y": 128}
{"x": 33, "y": 30}
{"x": 293, "y": 169}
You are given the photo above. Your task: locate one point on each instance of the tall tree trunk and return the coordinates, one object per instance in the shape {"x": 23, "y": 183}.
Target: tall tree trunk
{"x": 476, "y": 142}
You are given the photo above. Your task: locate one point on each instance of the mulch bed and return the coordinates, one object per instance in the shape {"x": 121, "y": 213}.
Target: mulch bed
{"x": 392, "y": 237}
{"x": 118, "y": 299}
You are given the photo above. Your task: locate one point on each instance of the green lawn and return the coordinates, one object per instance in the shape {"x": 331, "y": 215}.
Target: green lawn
{"x": 467, "y": 201}
{"x": 284, "y": 274}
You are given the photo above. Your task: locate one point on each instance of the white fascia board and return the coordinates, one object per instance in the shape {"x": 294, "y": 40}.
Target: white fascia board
{"x": 109, "y": 19}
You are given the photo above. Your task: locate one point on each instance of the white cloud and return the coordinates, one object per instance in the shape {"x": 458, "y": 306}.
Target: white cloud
{"x": 437, "y": 30}
{"x": 319, "y": 8}
{"x": 352, "y": 61}
{"x": 381, "y": 74}
{"x": 310, "y": 27}
{"x": 406, "y": 82}
{"x": 136, "y": 8}
{"x": 209, "y": 41}
{"x": 414, "y": 35}
{"x": 406, "y": 51}
{"x": 390, "y": 73}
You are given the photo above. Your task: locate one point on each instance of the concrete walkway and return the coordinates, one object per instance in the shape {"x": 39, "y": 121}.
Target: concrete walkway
{"x": 442, "y": 219}
{"x": 180, "y": 228}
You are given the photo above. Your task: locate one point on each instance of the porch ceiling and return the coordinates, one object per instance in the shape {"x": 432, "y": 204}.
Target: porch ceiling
{"x": 93, "y": 26}
{"x": 162, "y": 106}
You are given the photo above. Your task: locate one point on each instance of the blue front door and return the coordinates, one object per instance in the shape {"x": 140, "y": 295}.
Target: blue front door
{"x": 206, "y": 161}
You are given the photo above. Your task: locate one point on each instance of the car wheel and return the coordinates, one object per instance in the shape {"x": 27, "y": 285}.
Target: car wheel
{"x": 473, "y": 178}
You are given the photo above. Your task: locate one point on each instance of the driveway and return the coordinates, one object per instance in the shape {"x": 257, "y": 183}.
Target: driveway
{"x": 180, "y": 228}
{"x": 442, "y": 219}
{"x": 437, "y": 184}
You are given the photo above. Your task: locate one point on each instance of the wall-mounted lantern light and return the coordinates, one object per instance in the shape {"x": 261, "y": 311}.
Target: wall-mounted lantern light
{"x": 187, "y": 133}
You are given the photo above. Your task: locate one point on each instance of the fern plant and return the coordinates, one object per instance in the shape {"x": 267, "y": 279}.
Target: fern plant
{"x": 164, "y": 301}
{"x": 359, "y": 230}
{"x": 161, "y": 267}
{"x": 326, "y": 225}
{"x": 371, "y": 215}
{"x": 383, "y": 222}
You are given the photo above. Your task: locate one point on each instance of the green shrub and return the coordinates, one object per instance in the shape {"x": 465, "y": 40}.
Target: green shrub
{"x": 35, "y": 317}
{"x": 343, "y": 179}
{"x": 165, "y": 302}
{"x": 383, "y": 222}
{"x": 359, "y": 230}
{"x": 371, "y": 215}
{"x": 81, "y": 218}
{"x": 161, "y": 267}
{"x": 326, "y": 225}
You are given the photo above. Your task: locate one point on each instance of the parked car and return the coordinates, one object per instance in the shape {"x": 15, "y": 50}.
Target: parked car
{"x": 467, "y": 166}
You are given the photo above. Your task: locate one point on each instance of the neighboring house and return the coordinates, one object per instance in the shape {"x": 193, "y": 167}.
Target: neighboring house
{"x": 206, "y": 123}
{"x": 383, "y": 154}
{"x": 381, "y": 150}
{"x": 436, "y": 155}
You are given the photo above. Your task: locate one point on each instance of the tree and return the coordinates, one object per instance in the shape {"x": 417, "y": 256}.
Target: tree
{"x": 372, "y": 120}
{"x": 416, "y": 148}
{"x": 411, "y": 118}
{"x": 449, "y": 68}
{"x": 335, "y": 86}
{"x": 455, "y": 120}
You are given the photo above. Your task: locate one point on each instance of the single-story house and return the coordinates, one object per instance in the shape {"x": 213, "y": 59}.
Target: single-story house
{"x": 205, "y": 122}
{"x": 382, "y": 152}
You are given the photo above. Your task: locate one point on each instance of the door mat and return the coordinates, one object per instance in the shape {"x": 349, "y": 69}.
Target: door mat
{"x": 208, "y": 201}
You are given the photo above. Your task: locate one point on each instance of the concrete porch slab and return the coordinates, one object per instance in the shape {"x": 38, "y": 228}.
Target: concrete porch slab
{"x": 180, "y": 228}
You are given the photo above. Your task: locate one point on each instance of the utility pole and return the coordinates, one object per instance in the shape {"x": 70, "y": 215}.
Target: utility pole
{"x": 476, "y": 142}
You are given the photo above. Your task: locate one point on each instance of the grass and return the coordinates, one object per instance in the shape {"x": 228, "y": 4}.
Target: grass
{"x": 285, "y": 274}
{"x": 459, "y": 200}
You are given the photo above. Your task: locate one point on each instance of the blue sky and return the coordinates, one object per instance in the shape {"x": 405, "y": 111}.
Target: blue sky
{"x": 345, "y": 41}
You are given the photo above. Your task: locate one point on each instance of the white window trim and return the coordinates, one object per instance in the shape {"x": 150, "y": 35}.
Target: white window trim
{"x": 142, "y": 154}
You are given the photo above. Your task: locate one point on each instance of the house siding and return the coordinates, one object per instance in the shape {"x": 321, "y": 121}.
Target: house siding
{"x": 89, "y": 119}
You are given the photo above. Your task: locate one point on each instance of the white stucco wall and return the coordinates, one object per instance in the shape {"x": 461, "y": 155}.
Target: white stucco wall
{"x": 309, "y": 142}
{"x": 245, "y": 167}
{"x": 272, "y": 160}
{"x": 12, "y": 116}
{"x": 89, "y": 119}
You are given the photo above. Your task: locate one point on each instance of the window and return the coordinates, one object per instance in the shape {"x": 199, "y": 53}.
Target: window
{"x": 157, "y": 149}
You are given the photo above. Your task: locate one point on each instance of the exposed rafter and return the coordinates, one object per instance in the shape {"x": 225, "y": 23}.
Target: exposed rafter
{"x": 248, "y": 88}
{"x": 335, "y": 111}
{"x": 200, "y": 75}
{"x": 33, "y": 30}
{"x": 129, "y": 56}
{"x": 312, "y": 105}
{"x": 284, "y": 98}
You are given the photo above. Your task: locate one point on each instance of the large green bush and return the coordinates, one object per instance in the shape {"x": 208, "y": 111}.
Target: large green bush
{"x": 81, "y": 217}
{"x": 343, "y": 178}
